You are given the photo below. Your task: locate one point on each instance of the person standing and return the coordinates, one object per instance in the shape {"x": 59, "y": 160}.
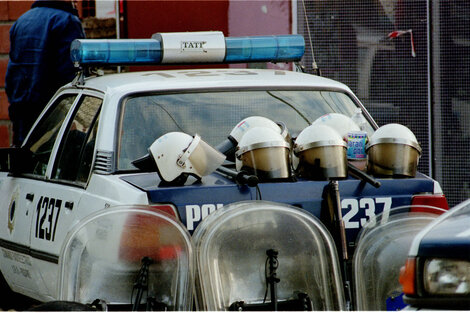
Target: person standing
{"x": 39, "y": 60}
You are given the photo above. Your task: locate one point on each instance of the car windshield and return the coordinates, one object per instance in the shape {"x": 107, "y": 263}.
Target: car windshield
{"x": 213, "y": 115}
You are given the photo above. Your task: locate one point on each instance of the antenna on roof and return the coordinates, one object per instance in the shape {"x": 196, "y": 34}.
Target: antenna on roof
{"x": 315, "y": 68}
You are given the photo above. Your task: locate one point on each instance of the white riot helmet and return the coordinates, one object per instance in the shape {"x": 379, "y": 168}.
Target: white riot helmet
{"x": 229, "y": 145}
{"x": 341, "y": 123}
{"x": 178, "y": 155}
{"x": 393, "y": 150}
{"x": 256, "y": 121}
{"x": 265, "y": 153}
{"x": 321, "y": 153}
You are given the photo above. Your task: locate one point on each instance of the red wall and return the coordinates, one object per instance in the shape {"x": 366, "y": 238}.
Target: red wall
{"x": 147, "y": 17}
{"x": 232, "y": 17}
{"x": 259, "y": 17}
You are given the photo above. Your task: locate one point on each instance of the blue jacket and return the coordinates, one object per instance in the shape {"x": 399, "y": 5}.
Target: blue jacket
{"x": 40, "y": 56}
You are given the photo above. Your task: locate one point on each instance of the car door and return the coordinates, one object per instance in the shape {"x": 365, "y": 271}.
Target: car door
{"x": 56, "y": 200}
{"x": 20, "y": 192}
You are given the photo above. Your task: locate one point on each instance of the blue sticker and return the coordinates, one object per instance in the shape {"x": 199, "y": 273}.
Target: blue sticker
{"x": 395, "y": 302}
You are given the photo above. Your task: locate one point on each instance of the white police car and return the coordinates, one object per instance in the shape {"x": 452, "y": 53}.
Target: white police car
{"x": 436, "y": 275}
{"x": 99, "y": 203}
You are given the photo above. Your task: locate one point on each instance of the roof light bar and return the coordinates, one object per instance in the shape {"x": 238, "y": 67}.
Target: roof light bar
{"x": 190, "y": 47}
{"x": 282, "y": 48}
{"x": 117, "y": 51}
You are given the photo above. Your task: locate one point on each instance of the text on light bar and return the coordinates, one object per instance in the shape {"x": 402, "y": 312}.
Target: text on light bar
{"x": 189, "y": 47}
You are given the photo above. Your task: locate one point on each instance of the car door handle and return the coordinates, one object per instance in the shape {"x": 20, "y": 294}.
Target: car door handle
{"x": 69, "y": 205}
{"x": 30, "y": 196}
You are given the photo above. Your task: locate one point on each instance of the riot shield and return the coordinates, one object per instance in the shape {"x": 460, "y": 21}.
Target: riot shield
{"x": 382, "y": 249}
{"x": 259, "y": 255}
{"x": 129, "y": 258}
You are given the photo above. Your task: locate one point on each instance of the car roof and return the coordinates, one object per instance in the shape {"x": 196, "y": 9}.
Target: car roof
{"x": 206, "y": 79}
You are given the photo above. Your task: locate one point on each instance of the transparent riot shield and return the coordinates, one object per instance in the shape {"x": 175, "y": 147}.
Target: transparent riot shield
{"x": 259, "y": 255}
{"x": 382, "y": 249}
{"x": 129, "y": 258}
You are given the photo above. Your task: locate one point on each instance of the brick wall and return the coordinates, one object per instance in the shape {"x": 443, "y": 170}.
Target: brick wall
{"x": 9, "y": 12}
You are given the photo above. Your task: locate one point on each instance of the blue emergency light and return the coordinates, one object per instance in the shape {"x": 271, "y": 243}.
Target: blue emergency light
{"x": 190, "y": 47}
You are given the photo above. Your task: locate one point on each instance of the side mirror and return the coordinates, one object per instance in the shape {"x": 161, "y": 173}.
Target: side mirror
{"x": 14, "y": 160}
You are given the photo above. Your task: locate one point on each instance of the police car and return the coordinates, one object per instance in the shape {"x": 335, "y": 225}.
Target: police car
{"x": 436, "y": 274}
{"x": 139, "y": 190}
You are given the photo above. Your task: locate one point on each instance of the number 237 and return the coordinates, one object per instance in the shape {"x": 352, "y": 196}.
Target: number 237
{"x": 368, "y": 205}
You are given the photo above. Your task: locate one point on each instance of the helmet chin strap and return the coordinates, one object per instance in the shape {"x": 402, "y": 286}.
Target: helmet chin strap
{"x": 181, "y": 161}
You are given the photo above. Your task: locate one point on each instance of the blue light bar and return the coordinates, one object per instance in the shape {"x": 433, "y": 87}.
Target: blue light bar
{"x": 184, "y": 48}
{"x": 283, "y": 48}
{"x": 116, "y": 51}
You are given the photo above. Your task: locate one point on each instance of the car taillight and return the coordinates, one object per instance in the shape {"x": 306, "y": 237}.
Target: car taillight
{"x": 429, "y": 203}
{"x": 150, "y": 236}
{"x": 425, "y": 202}
{"x": 167, "y": 208}
{"x": 408, "y": 276}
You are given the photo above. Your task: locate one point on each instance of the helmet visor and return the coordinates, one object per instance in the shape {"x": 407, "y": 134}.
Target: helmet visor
{"x": 389, "y": 159}
{"x": 267, "y": 163}
{"x": 205, "y": 159}
{"x": 327, "y": 162}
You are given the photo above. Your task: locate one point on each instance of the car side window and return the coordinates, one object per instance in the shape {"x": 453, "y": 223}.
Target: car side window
{"x": 76, "y": 152}
{"x": 87, "y": 155}
{"x": 42, "y": 139}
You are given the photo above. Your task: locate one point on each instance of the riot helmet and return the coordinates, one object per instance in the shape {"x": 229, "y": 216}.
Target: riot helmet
{"x": 229, "y": 146}
{"x": 178, "y": 155}
{"x": 256, "y": 121}
{"x": 321, "y": 153}
{"x": 393, "y": 150}
{"x": 265, "y": 153}
{"x": 341, "y": 123}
